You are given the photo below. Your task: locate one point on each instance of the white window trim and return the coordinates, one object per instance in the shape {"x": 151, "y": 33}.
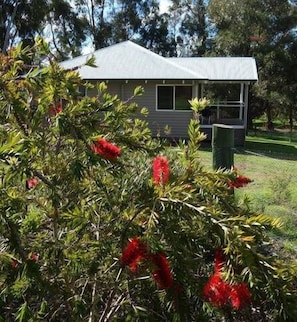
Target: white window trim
{"x": 240, "y": 104}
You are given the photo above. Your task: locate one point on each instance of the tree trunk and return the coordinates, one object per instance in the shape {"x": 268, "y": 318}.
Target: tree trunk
{"x": 291, "y": 122}
{"x": 8, "y": 29}
{"x": 269, "y": 123}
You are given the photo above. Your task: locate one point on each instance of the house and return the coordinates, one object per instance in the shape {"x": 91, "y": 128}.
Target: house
{"x": 170, "y": 82}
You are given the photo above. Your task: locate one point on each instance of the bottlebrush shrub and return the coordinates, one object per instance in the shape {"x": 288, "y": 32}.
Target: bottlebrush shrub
{"x": 79, "y": 218}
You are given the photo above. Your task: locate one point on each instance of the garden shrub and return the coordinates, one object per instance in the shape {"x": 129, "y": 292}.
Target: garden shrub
{"x": 101, "y": 222}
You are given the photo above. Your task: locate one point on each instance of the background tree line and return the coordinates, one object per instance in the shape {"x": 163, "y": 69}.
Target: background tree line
{"x": 266, "y": 30}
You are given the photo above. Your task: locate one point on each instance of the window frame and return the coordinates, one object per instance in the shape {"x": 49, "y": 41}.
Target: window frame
{"x": 218, "y": 106}
{"x": 173, "y": 98}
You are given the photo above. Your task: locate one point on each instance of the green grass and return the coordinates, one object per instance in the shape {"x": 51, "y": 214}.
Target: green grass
{"x": 271, "y": 164}
{"x": 273, "y": 145}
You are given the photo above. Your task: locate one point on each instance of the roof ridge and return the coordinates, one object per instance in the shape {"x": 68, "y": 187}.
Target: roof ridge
{"x": 92, "y": 53}
{"x": 165, "y": 59}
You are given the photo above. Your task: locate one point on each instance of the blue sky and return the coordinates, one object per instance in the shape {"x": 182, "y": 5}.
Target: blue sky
{"x": 164, "y": 5}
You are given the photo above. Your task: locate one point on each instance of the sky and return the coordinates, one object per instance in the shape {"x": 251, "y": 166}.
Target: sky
{"x": 164, "y": 5}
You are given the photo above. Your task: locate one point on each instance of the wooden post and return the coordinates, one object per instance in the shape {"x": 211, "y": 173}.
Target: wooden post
{"x": 222, "y": 146}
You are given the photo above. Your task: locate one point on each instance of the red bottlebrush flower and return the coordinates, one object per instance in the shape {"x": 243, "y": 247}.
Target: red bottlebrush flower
{"x": 220, "y": 293}
{"x": 31, "y": 183}
{"x": 59, "y": 108}
{"x": 33, "y": 256}
{"x": 216, "y": 291}
{"x": 240, "y": 181}
{"x": 219, "y": 260}
{"x": 134, "y": 253}
{"x": 14, "y": 263}
{"x": 161, "y": 170}
{"x": 162, "y": 273}
{"x": 240, "y": 296}
{"x": 255, "y": 38}
{"x": 106, "y": 149}
{"x": 56, "y": 110}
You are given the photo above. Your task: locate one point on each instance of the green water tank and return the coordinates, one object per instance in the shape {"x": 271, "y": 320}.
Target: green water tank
{"x": 222, "y": 146}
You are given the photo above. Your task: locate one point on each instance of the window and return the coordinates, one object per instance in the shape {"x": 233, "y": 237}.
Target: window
{"x": 227, "y": 102}
{"x": 222, "y": 92}
{"x": 174, "y": 97}
{"x": 230, "y": 112}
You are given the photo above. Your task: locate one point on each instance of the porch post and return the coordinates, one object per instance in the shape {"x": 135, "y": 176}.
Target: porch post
{"x": 196, "y": 89}
{"x": 246, "y": 106}
{"x": 241, "y": 100}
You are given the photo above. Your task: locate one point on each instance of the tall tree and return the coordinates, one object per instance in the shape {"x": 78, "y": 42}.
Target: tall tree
{"x": 157, "y": 36}
{"x": 155, "y": 32}
{"x": 97, "y": 14}
{"x": 72, "y": 25}
{"x": 265, "y": 30}
{"x": 128, "y": 18}
{"x": 20, "y": 20}
{"x": 23, "y": 20}
{"x": 114, "y": 21}
{"x": 68, "y": 30}
{"x": 190, "y": 24}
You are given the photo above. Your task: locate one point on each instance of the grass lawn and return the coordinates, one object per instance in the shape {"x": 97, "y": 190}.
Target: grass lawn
{"x": 272, "y": 165}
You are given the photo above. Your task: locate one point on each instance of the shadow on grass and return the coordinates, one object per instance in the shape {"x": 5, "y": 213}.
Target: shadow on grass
{"x": 271, "y": 149}
{"x": 274, "y": 135}
{"x": 267, "y": 149}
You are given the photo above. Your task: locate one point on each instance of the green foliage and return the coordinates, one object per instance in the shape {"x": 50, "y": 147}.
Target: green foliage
{"x": 91, "y": 62}
{"x": 246, "y": 28}
{"x": 63, "y": 234}
{"x": 280, "y": 187}
{"x": 190, "y": 23}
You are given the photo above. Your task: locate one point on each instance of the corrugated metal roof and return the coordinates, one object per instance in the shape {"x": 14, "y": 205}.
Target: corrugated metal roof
{"x": 127, "y": 60}
{"x": 221, "y": 68}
